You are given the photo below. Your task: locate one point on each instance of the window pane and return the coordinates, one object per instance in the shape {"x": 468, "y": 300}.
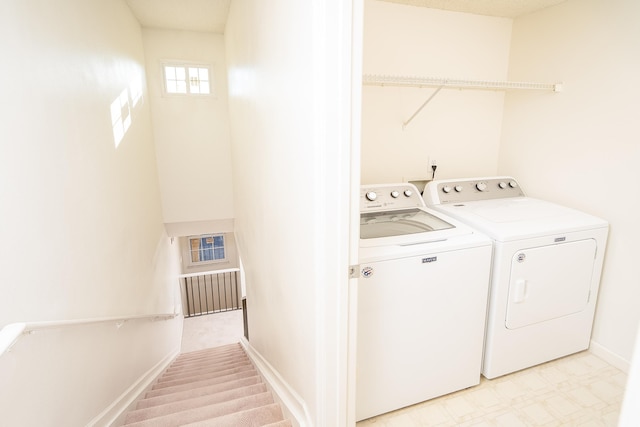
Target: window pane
{"x": 194, "y": 245}
{"x": 170, "y": 73}
{"x": 180, "y": 73}
{"x": 203, "y": 74}
{"x": 219, "y": 253}
{"x": 171, "y": 87}
{"x": 181, "y": 87}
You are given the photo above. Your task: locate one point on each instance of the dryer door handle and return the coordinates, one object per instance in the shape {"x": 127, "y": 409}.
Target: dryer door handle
{"x": 519, "y": 291}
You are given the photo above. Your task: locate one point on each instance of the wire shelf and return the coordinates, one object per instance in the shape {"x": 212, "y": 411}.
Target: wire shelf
{"x": 409, "y": 81}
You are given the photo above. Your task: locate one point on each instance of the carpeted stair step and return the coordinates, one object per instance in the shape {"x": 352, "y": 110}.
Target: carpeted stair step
{"x": 217, "y": 387}
{"x": 257, "y": 417}
{"x": 204, "y": 383}
{"x": 206, "y": 364}
{"x": 217, "y": 352}
{"x": 205, "y": 360}
{"x": 198, "y": 392}
{"x": 191, "y": 369}
{"x": 194, "y": 402}
{"x": 205, "y": 367}
{"x": 283, "y": 423}
{"x": 209, "y": 412}
{"x": 203, "y": 377}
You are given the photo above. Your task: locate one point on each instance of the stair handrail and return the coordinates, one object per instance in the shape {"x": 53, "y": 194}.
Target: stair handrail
{"x": 12, "y": 332}
{"x": 204, "y": 273}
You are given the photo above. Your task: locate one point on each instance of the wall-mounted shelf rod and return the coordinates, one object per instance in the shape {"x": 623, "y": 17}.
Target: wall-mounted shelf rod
{"x": 389, "y": 80}
{"x": 435, "y": 92}
{"x": 439, "y": 83}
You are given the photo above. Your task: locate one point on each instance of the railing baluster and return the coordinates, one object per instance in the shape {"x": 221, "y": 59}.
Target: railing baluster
{"x": 235, "y": 275}
{"x": 193, "y": 295}
{"x": 223, "y": 296}
{"x": 218, "y": 292}
{"x": 199, "y": 296}
{"x": 206, "y": 293}
{"x": 213, "y": 296}
{"x": 186, "y": 291}
{"x": 224, "y": 279}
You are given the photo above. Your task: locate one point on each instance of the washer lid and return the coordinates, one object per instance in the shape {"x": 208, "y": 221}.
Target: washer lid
{"x": 399, "y": 223}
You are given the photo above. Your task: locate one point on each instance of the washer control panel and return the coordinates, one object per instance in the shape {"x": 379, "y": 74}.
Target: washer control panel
{"x": 389, "y": 196}
{"x": 470, "y": 189}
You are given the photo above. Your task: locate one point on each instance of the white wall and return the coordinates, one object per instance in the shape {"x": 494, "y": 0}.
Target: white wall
{"x": 289, "y": 99}
{"x": 458, "y": 129}
{"x": 580, "y": 147}
{"x": 193, "y": 145}
{"x": 82, "y": 228}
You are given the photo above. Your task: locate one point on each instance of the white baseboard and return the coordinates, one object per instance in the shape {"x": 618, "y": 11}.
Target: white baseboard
{"x": 114, "y": 414}
{"x": 609, "y": 357}
{"x": 293, "y": 405}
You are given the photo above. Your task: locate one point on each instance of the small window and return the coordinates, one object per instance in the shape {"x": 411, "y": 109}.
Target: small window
{"x": 187, "y": 79}
{"x": 206, "y": 249}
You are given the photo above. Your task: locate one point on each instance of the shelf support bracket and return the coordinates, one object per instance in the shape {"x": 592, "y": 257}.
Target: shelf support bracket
{"x": 404, "y": 124}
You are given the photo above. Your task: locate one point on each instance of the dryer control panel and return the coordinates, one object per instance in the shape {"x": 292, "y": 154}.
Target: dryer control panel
{"x": 441, "y": 192}
{"x": 389, "y": 196}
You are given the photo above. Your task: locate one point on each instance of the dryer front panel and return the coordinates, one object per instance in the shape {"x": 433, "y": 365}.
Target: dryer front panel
{"x": 549, "y": 282}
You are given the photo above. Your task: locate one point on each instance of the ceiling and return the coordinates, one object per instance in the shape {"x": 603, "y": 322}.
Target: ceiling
{"x": 191, "y": 15}
{"x": 503, "y": 8}
{"x": 211, "y": 15}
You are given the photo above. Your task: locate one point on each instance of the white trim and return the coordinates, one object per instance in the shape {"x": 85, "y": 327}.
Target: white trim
{"x": 610, "y": 357}
{"x": 188, "y": 251}
{"x": 202, "y": 273}
{"x": 12, "y": 332}
{"x": 292, "y": 403}
{"x": 9, "y": 335}
{"x": 114, "y": 413}
{"x": 187, "y": 64}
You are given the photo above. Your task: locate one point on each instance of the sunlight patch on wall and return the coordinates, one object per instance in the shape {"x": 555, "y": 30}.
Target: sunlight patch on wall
{"x": 242, "y": 82}
{"x": 120, "y": 116}
{"x": 122, "y": 109}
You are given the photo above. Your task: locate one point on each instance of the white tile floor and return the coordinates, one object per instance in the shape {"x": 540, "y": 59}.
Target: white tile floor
{"x": 580, "y": 390}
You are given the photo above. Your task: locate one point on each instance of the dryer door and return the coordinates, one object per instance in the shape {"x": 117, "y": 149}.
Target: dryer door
{"x": 549, "y": 282}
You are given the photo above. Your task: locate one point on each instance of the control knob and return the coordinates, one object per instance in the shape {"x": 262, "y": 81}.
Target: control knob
{"x": 502, "y": 185}
{"x": 408, "y": 193}
{"x": 395, "y": 194}
{"x": 513, "y": 184}
{"x": 371, "y": 196}
{"x": 458, "y": 188}
{"x": 446, "y": 189}
{"x": 481, "y": 186}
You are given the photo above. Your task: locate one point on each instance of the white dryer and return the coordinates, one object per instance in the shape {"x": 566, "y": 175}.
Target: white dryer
{"x": 422, "y": 293}
{"x": 546, "y": 269}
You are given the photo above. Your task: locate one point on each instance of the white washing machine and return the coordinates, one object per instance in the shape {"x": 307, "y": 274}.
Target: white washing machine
{"x": 422, "y": 294}
{"x": 546, "y": 270}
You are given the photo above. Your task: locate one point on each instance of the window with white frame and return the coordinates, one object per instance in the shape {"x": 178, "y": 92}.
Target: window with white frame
{"x": 185, "y": 79}
{"x": 207, "y": 248}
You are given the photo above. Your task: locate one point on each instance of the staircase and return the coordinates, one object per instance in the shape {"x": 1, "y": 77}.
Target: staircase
{"x": 217, "y": 387}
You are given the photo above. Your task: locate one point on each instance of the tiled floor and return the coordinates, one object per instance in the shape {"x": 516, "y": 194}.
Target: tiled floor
{"x": 578, "y": 390}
